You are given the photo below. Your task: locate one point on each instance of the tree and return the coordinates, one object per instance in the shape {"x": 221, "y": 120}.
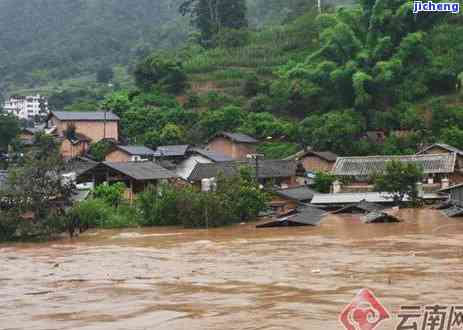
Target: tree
{"x": 9, "y": 129}
{"x": 104, "y": 75}
{"x": 212, "y": 16}
{"x": 400, "y": 180}
{"x": 452, "y": 135}
{"x": 37, "y": 189}
{"x": 323, "y": 182}
{"x": 160, "y": 71}
{"x": 100, "y": 149}
{"x": 333, "y": 131}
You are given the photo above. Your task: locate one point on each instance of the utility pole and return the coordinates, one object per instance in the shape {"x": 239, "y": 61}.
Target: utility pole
{"x": 104, "y": 124}
{"x": 256, "y": 158}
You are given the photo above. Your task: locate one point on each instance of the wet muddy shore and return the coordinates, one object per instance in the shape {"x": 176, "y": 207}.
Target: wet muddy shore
{"x": 230, "y": 278}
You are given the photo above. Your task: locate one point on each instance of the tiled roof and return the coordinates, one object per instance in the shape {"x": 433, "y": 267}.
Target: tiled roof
{"x": 305, "y": 216}
{"x": 238, "y": 137}
{"x": 172, "y": 151}
{"x": 362, "y": 206}
{"x": 85, "y": 116}
{"x": 366, "y": 166}
{"x": 447, "y": 147}
{"x": 301, "y": 193}
{"x": 326, "y": 155}
{"x": 141, "y": 170}
{"x": 267, "y": 169}
{"x": 137, "y": 150}
{"x": 212, "y": 155}
{"x": 351, "y": 198}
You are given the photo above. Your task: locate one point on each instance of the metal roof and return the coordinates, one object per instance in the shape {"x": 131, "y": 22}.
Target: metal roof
{"x": 85, "y": 116}
{"x": 267, "y": 169}
{"x": 352, "y": 198}
{"x": 238, "y": 137}
{"x": 300, "y": 194}
{"x": 444, "y": 146}
{"x": 137, "y": 150}
{"x": 366, "y": 166}
{"x": 141, "y": 170}
{"x": 172, "y": 151}
{"x": 212, "y": 155}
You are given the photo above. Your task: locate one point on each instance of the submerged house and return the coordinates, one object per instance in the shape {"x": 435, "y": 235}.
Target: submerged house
{"x": 123, "y": 154}
{"x": 234, "y": 145}
{"x": 279, "y": 173}
{"x": 135, "y": 175}
{"x": 442, "y": 148}
{"x": 439, "y": 170}
{"x": 285, "y": 200}
{"x": 305, "y": 216}
{"x": 361, "y": 207}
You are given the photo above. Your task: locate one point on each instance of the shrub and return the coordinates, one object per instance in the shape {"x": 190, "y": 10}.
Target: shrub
{"x": 323, "y": 182}
{"x": 96, "y": 213}
{"x": 160, "y": 70}
{"x": 110, "y": 194}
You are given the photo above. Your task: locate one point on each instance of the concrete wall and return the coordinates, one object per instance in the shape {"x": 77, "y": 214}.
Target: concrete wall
{"x": 230, "y": 148}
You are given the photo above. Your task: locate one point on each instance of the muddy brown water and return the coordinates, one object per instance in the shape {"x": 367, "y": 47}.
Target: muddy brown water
{"x": 230, "y": 278}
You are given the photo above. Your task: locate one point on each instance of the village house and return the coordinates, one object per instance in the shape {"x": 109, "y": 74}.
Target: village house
{"x": 235, "y": 145}
{"x": 279, "y": 173}
{"x": 453, "y": 206}
{"x": 315, "y": 161}
{"x": 198, "y": 156}
{"x": 94, "y": 125}
{"x": 173, "y": 153}
{"x": 442, "y": 148}
{"x": 136, "y": 176}
{"x": 439, "y": 171}
{"x": 286, "y": 200}
{"x": 122, "y": 154}
{"x": 74, "y": 145}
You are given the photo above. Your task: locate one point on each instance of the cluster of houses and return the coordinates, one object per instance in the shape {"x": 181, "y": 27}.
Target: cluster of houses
{"x": 227, "y": 152}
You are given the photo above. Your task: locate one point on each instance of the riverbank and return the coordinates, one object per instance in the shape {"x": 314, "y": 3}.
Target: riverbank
{"x": 229, "y": 278}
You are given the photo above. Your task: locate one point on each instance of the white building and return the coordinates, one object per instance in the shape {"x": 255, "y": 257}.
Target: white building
{"x": 26, "y": 107}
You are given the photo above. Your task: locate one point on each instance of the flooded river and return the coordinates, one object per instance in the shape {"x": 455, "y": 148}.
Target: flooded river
{"x": 231, "y": 278}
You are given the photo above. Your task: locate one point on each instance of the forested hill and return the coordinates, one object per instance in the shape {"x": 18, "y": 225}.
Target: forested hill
{"x": 44, "y": 40}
